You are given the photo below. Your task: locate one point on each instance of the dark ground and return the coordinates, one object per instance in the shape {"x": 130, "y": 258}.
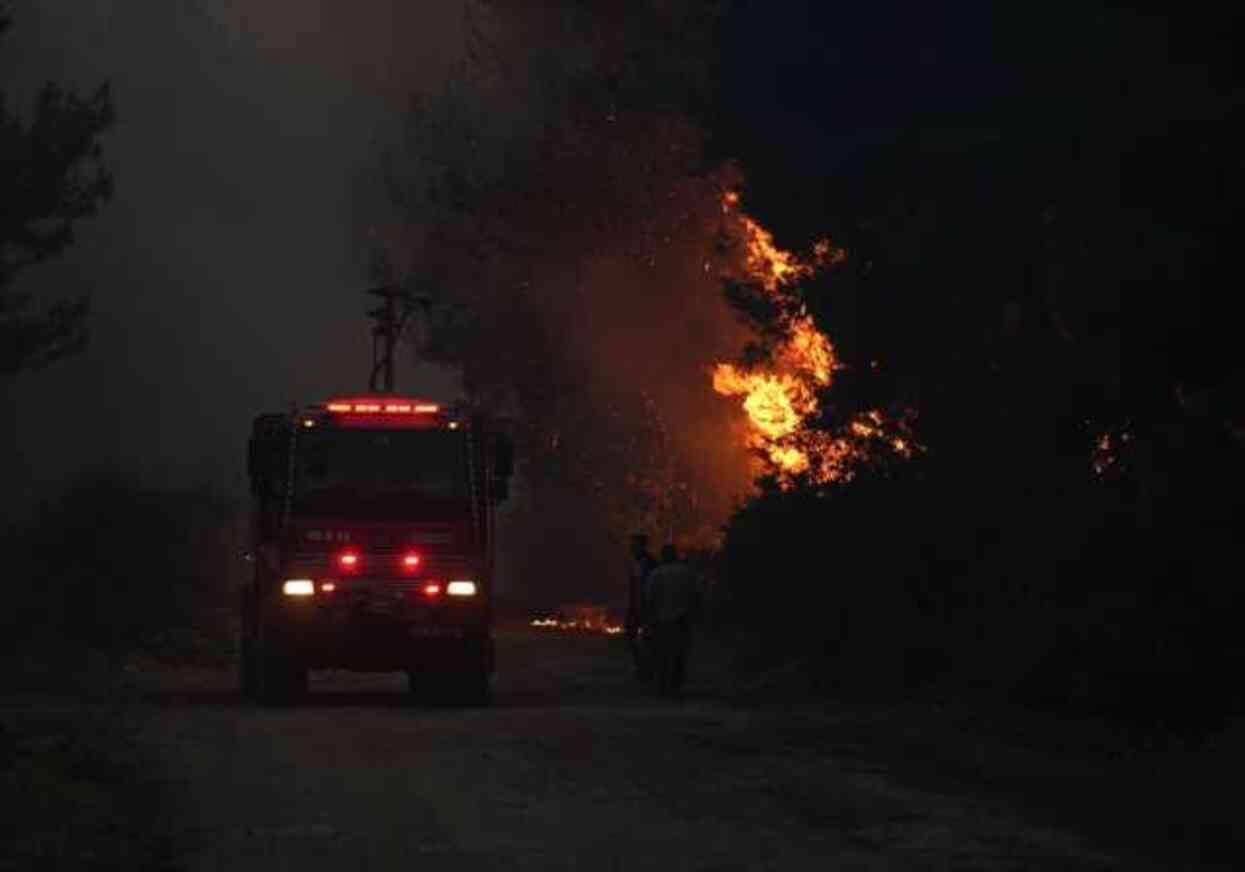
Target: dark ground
{"x": 575, "y": 767}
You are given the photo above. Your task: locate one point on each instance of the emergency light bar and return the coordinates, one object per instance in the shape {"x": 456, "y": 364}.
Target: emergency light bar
{"x": 379, "y": 407}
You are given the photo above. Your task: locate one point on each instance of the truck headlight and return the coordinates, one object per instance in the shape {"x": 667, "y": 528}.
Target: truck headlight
{"x": 298, "y": 587}
{"x": 461, "y": 587}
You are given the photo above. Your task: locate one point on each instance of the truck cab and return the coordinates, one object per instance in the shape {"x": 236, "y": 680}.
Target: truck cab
{"x": 372, "y": 537}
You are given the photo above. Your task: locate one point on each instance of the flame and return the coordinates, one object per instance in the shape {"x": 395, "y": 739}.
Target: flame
{"x": 580, "y": 625}
{"x": 776, "y": 404}
{"x": 769, "y": 263}
{"x": 811, "y": 349}
{"x": 780, "y": 399}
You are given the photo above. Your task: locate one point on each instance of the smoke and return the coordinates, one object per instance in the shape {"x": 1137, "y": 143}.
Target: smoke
{"x": 223, "y": 276}
{"x": 571, "y": 216}
{"x": 254, "y": 146}
{"x": 621, "y": 429}
{"x": 388, "y": 47}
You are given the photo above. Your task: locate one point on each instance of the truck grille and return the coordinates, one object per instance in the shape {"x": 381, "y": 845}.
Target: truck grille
{"x": 434, "y": 565}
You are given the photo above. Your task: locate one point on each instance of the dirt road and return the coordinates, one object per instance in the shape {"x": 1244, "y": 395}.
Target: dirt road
{"x": 573, "y": 767}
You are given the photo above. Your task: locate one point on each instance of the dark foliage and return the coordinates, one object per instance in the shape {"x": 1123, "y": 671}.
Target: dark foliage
{"x": 1047, "y": 283}
{"x": 904, "y": 585}
{"x": 125, "y": 569}
{"x": 51, "y": 177}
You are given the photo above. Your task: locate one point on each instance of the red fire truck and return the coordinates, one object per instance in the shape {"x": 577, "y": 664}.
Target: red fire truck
{"x": 372, "y": 540}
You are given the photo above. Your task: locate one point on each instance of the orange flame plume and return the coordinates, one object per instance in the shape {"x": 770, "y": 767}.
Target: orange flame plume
{"x": 781, "y": 399}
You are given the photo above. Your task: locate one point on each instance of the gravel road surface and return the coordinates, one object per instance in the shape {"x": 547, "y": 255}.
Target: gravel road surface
{"x": 574, "y": 766}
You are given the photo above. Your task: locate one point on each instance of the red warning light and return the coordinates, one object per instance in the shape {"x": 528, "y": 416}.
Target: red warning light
{"x": 348, "y": 561}
{"x": 377, "y": 405}
{"x": 381, "y": 412}
{"x": 411, "y": 561}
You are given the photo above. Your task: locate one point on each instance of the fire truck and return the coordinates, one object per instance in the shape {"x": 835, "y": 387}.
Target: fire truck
{"x": 372, "y": 531}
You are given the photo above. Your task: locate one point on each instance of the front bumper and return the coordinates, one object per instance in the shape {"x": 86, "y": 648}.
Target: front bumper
{"x": 382, "y": 624}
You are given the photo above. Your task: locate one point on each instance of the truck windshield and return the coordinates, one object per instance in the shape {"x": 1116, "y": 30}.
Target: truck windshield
{"x": 340, "y": 469}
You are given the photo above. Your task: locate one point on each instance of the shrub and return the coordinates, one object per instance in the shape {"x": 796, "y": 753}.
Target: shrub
{"x": 120, "y": 567}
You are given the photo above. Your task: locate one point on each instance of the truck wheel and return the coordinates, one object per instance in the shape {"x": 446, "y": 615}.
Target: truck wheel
{"x": 246, "y": 668}
{"x": 281, "y": 680}
{"x": 279, "y": 677}
{"x": 299, "y": 679}
{"x": 476, "y": 686}
{"x": 459, "y": 688}
{"x": 246, "y": 651}
{"x": 471, "y": 683}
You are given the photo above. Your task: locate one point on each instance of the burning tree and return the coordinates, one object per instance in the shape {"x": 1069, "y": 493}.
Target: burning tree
{"x": 1050, "y": 296}
{"x": 585, "y": 254}
{"x": 788, "y": 372}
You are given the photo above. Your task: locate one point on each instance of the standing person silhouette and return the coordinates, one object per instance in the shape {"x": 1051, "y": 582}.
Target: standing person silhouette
{"x": 674, "y": 601}
{"x": 639, "y": 564}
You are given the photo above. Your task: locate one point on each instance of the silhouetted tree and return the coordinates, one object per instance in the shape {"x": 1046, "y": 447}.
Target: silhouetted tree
{"x": 51, "y": 176}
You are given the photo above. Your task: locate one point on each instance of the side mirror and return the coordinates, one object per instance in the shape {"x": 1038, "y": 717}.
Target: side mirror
{"x": 503, "y": 458}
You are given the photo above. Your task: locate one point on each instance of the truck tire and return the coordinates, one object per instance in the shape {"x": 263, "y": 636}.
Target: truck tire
{"x": 475, "y": 686}
{"x": 248, "y": 682}
{"x": 473, "y": 679}
{"x": 459, "y": 688}
{"x": 280, "y": 680}
{"x": 279, "y": 677}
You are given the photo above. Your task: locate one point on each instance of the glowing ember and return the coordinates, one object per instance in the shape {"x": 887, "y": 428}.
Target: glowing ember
{"x": 1107, "y": 450}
